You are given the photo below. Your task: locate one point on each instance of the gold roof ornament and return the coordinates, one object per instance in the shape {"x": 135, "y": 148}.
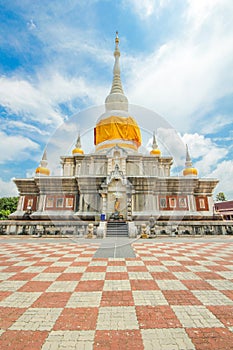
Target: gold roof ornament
{"x": 155, "y": 149}
{"x": 42, "y": 168}
{"x": 189, "y": 169}
{"x": 78, "y": 147}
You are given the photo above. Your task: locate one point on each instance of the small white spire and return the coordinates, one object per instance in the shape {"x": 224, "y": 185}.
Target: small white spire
{"x": 188, "y": 163}
{"x": 154, "y": 144}
{"x": 78, "y": 142}
{"x": 155, "y": 150}
{"x": 189, "y": 169}
{"x": 42, "y": 169}
{"x": 78, "y": 147}
{"x": 44, "y": 162}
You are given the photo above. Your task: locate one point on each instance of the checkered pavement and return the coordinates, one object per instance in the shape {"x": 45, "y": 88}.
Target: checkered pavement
{"x": 172, "y": 296}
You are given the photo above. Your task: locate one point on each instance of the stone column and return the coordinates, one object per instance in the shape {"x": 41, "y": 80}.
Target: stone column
{"x": 41, "y": 202}
{"x": 191, "y": 203}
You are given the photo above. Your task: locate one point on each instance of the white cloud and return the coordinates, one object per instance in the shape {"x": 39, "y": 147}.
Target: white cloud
{"x": 146, "y": 8}
{"x": 8, "y": 188}
{"x": 31, "y": 25}
{"x": 22, "y": 98}
{"x": 63, "y": 89}
{"x": 16, "y": 148}
{"x": 199, "y": 11}
{"x": 224, "y": 172}
{"x": 185, "y": 77}
{"x": 25, "y": 127}
{"x": 39, "y": 102}
{"x": 216, "y": 123}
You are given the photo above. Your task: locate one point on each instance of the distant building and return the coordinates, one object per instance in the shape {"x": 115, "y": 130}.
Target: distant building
{"x": 225, "y": 209}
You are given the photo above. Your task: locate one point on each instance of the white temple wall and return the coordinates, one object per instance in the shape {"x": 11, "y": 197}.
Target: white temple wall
{"x": 68, "y": 169}
{"x": 99, "y": 168}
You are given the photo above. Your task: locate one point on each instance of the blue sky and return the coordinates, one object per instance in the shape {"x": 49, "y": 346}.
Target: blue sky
{"x": 56, "y": 61}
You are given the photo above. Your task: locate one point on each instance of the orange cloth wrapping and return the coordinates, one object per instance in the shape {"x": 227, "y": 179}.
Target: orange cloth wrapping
{"x": 114, "y": 128}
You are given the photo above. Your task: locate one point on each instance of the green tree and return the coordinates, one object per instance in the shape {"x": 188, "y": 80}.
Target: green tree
{"x": 221, "y": 197}
{"x": 4, "y": 214}
{"x": 7, "y": 206}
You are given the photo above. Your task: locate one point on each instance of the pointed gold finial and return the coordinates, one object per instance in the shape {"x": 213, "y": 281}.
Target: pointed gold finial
{"x": 155, "y": 150}
{"x": 42, "y": 169}
{"x": 189, "y": 169}
{"x": 117, "y": 38}
{"x": 78, "y": 147}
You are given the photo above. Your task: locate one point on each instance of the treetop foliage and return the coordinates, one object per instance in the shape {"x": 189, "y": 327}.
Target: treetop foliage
{"x": 221, "y": 197}
{"x": 7, "y": 206}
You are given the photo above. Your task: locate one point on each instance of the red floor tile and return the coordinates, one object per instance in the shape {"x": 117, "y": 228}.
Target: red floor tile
{"x": 137, "y": 269}
{"x": 153, "y": 262}
{"x": 228, "y": 293}
{"x": 22, "y": 340}
{"x": 69, "y": 277}
{"x": 181, "y": 297}
{"x": 209, "y": 275}
{"x": 211, "y": 338}
{"x": 52, "y": 299}
{"x": 55, "y": 269}
{"x": 35, "y": 286}
{"x": 96, "y": 269}
{"x": 90, "y": 286}
{"x": 116, "y": 340}
{"x": 62, "y": 259}
{"x": 8, "y": 315}
{"x": 14, "y": 269}
{"x": 116, "y": 263}
{"x": 117, "y": 298}
{"x": 224, "y": 314}
{"x": 43, "y": 263}
{"x": 177, "y": 269}
{"x": 116, "y": 276}
{"x": 156, "y": 317}
{"x": 164, "y": 258}
{"x": 197, "y": 285}
{"x": 163, "y": 276}
{"x": 4, "y": 294}
{"x": 86, "y": 255}
{"x": 80, "y": 263}
{"x": 146, "y": 254}
{"x": 143, "y": 285}
{"x": 22, "y": 276}
{"x": 77, "y": 319}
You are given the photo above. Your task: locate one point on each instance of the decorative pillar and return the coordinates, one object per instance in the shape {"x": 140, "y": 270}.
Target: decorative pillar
{"x": 41, "y": 204}
{"x": 129, "y": 207}
{"x": 104, "y": 204}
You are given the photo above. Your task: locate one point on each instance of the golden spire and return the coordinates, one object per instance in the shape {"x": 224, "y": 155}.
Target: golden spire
{"x": 155, "y": 150}
{"x": 42, "y": 168}
{"x": 189, "y": 169}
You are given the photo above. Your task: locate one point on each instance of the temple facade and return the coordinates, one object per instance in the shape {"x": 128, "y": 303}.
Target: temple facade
{"x": 115, "y": 182}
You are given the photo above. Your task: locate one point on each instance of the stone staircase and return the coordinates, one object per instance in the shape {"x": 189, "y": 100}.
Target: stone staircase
{"x": 117, "y": 229}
